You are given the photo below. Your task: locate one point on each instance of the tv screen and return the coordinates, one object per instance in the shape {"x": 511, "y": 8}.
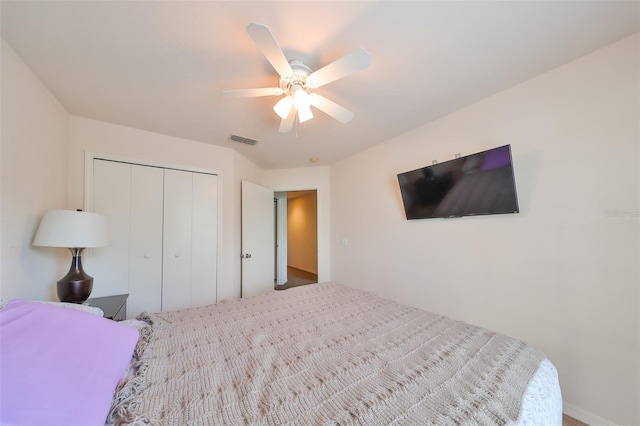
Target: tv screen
{"x": 477, "y": 184}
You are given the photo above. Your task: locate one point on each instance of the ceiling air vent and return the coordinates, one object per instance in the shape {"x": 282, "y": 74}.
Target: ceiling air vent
{"x": 242, "y": 139}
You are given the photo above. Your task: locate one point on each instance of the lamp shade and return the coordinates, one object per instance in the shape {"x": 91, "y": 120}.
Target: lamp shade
{"x": 72, "y": 229}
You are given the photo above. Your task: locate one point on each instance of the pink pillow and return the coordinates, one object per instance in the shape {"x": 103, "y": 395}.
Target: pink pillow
{"x": 59, "y": 366}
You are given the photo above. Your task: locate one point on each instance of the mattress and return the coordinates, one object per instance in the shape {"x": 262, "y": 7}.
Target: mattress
{"x": 330, "y": 354}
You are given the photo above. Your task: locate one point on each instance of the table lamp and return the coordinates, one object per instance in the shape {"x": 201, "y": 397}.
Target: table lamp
{"x": 75, "y": 230}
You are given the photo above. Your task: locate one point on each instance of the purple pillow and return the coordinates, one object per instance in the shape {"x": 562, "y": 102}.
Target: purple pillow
{"x": 58, "y": 365}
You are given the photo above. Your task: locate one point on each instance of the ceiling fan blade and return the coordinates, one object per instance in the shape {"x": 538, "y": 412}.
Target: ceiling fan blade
{"x": 357, "y": 60}
{"x": 331, "y": 108}
{"x": 286, "y": 124}
{"x": 252, "y": 93}
{"x": 266, "y": 42}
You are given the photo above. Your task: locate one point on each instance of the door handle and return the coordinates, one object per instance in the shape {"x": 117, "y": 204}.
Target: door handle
{"x": 246, "y": 256}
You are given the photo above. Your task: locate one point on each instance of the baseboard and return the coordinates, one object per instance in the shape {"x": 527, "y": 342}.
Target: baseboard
{"x": 585, "y": 416}
{"x": 303, "y": 270}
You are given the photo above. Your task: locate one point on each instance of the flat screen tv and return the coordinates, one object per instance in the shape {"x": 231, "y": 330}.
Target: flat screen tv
{"x": 478, "y": 184}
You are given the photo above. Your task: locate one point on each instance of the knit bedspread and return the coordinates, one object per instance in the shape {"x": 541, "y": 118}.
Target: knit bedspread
{"x": 322, "y": 354}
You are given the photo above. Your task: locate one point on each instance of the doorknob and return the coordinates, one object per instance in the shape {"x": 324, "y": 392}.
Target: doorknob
{"x": 246, "y": 256}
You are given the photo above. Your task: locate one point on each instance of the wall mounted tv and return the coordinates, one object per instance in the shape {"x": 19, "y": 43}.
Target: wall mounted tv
{"x": 477, "y": 184}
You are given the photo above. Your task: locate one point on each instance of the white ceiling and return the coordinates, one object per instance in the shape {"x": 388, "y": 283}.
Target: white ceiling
{"x": 161, "y": 66}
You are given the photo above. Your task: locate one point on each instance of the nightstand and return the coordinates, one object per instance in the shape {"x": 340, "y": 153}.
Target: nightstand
{"x": 114, "y": 307}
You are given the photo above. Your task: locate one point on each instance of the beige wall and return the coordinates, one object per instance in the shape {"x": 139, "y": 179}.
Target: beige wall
{"x": 34, "y": 135}
{"x": 302, "y": 232}
{"x": 562, "y": 274}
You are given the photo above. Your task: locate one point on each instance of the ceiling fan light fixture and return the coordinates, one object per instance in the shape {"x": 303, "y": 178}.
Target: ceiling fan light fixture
{"x": 301, "y": 98}
{"x": 304, "y": 114}
{"x": 302, "y": 103}
{"x": 283, "y": 107}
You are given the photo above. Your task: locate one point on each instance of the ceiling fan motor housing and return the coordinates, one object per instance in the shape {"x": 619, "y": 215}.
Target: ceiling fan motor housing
{"x": 298, "y": 78}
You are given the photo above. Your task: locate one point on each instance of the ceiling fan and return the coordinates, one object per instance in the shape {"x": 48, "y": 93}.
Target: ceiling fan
{"x": 297, "y": 81}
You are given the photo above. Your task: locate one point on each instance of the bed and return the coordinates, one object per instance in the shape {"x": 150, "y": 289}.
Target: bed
{"x": 318, "y": 354}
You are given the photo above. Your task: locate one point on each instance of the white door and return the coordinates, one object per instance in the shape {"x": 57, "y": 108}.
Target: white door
{"x": 204, "y": 240}
{"x": 176, "y": 244}
{"x": 258, "y": 239}
{"x": 190, "y": 239}
{"x": 112, "y": 198}
{"x": 131, "y": 197}
{"x": 145, "y": 241}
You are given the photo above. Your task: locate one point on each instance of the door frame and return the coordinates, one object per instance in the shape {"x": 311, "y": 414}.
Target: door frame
{"x": 281, "y": 238}
{"x": 90, "y": 156}
{"x": 318, "y": 223}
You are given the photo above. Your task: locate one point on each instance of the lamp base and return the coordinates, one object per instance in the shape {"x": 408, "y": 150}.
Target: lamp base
{"x": 75, "y": 291}
{"x": 76, "y": 286}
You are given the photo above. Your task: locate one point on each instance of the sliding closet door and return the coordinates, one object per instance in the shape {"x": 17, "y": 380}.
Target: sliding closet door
{"x": 112, "y": 198}
{"x": 164, "y": 236}
{"x": 190, "y": 239}
{"x": 131, "y": 197}
{"x": 145, "y": 240}
{"x": 176, "y": 261}
{"x": 204, "y": 239}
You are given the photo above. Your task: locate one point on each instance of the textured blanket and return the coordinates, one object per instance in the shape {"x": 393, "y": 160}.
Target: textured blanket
{"x": 322, "y": 354}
